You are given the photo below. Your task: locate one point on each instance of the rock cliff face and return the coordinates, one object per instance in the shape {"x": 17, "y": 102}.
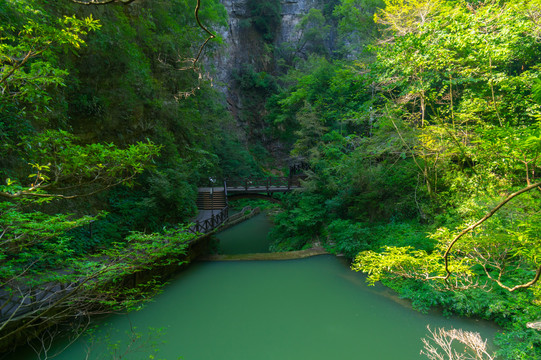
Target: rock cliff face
{"x": 239, "y": 40}
{"x": 292, "y": 13}
{"x": 245, "y": 47}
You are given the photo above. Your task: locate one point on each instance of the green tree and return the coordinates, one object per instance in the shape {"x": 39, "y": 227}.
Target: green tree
{"x": 29, "y": 47}
{"x": 265, "y": 17}
{"x": 53, "y": 271}
{"x": 356, "y": 27}
{"x": 423, "y": 146}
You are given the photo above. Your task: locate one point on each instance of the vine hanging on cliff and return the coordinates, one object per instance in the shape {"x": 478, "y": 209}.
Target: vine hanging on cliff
{"x": 126, "y": 2}
{"x": 211, "y": 35}
{"x": 192, "y": 62}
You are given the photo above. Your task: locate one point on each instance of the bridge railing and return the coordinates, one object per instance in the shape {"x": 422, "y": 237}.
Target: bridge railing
{"x": 298, "y": 168}
{"x": 207, "y": 225}
{"x": 264, "y": 183}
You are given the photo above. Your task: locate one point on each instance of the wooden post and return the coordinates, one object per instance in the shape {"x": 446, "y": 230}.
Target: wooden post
{"x": 90, "y": 227}
{"x": 225, "y": 192}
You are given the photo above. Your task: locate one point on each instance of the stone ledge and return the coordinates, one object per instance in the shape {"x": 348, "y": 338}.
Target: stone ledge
{"x": 289, "y": 255}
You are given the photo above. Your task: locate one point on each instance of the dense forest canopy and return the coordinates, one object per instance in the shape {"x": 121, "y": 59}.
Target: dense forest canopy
{"x": 420, "y": 120}
{"x": 424, "y": 155}
{"x": 100, "y": 157}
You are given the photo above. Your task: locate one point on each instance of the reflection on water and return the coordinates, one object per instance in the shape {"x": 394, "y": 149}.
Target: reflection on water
{"x": 247, "y": 237}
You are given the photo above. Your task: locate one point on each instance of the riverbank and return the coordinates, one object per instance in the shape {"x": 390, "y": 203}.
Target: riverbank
{"x": 246, "y": 213}
{"x": 162, "y": 268}
{"x": 244, "y": 306}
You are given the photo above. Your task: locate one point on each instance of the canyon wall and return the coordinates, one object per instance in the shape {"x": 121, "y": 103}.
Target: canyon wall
{"x": 246, "y": 50}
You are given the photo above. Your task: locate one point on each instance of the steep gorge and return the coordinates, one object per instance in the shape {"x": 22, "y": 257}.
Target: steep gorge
{"x": 248, "y": 64}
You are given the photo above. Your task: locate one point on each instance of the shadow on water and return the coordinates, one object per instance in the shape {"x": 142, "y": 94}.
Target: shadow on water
{"x": 247, "y": 237}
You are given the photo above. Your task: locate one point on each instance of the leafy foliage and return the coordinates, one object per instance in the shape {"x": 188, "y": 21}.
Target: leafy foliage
{"x": 416, "y": 140}
{"x": 29, "y": 47}
{"x": 84, "y": 103}
{"x": 265, "y": 17}
{"x": 414, "y": 126}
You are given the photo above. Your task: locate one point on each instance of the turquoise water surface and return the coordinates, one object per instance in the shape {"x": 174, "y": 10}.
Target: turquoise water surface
{"x": 313, "y": 308}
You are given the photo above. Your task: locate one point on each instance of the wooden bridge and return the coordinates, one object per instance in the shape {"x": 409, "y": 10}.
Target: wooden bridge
{"x": 266, "y": 185}
{"x": 212, "y": 201}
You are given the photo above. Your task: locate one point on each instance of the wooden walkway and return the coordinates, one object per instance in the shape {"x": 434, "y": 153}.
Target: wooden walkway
{"x": 267, "y": 185}
{"x": 208, "y": 220}
{"x": 213, "y": 212}
{"x": 212, "y": 200}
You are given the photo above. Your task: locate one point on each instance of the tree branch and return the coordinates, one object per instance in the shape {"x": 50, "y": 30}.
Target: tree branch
{"x": 211, "y": 35}
{"x": 29, "y": 193}
{"x": 40, "y": 312}
{"x": 516, "y": 287}
{"x": 16, "y": 67}
{"x": 473, "y": 226}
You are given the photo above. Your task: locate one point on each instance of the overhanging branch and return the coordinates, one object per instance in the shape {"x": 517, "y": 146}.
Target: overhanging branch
{"x": 211, "y": 35}
{"x": 29, "y": 193}
{"x": 482, "y": 220}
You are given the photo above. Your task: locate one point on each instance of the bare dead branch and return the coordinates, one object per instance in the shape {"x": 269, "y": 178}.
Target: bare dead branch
{"x": 534, "y": 325}
{"x": 72, "y": 291}
{"x": 11, "y": 317}
{"x": 442, "y": 340}
{"x": 47, "y": 338}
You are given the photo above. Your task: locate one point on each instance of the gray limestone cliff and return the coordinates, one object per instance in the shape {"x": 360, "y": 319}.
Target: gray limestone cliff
{"x": 246, "y": 49}
{"x": 243, "y": 44}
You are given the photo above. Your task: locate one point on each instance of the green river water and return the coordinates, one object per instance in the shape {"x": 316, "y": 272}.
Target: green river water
{"x": 313, "y": 308}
